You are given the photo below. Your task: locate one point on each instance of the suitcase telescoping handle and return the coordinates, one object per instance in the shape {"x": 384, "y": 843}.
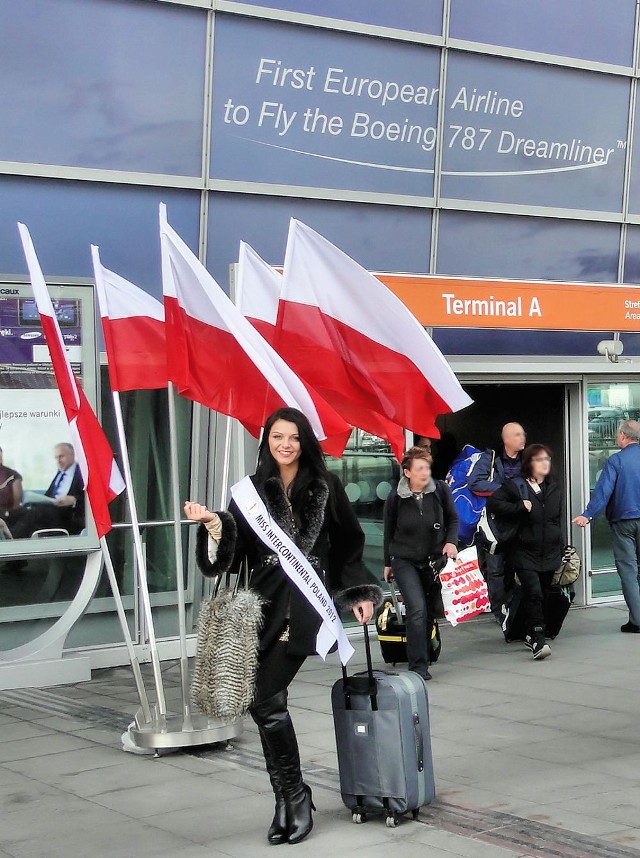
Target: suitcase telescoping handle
{"x": 361, "y": 684}
{"x": 394, "y": 599}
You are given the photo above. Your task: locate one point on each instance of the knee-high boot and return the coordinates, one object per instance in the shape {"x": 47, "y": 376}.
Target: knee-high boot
{"x": 278, "y": 831}
{"x": 276, "y": 729}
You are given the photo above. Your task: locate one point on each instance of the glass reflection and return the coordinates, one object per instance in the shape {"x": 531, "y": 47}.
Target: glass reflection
{"x": 608, "y": 404}
{"x": 40, "y": 580}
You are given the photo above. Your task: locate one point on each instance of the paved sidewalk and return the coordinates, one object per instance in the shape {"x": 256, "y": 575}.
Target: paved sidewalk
{"x": 532, "y": 759}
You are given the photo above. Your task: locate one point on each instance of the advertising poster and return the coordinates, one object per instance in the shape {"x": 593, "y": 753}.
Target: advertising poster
{"x": 34, "y": 434}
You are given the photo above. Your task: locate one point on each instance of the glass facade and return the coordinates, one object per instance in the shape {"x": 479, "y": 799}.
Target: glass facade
{"x": 485, "y": 138}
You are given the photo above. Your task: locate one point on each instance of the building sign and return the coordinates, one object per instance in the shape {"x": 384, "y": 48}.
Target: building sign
{"x": 450, "y": 302}
{"x": 316, "y": 108}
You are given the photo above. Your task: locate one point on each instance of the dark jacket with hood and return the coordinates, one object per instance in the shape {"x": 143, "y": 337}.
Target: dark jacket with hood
{"x": 538, "y": 546}
{"x": 415, "y": 533}
{"x": 328, "y": 533}
{"x": 480, "y": 479}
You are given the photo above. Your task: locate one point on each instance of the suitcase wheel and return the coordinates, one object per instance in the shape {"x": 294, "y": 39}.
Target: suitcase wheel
{"x": 358, "y": 816}
{"x": 392, "y": 821}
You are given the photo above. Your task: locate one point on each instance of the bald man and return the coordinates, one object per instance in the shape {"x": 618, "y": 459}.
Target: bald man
{"x": 617, "y": 493}
{"x": 491, "y": 470}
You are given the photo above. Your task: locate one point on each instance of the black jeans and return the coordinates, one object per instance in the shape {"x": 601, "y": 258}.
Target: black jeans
{"x": 534, "y": 585}
{"x": 419, "y": 590}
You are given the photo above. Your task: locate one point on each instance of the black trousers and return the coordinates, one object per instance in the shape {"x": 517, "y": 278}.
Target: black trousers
{"x": 420, "y": 591}
{"x": 534, "y": 585}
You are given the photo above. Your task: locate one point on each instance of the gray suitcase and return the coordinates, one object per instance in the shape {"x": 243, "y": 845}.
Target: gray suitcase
{"x": 381, "y": 721}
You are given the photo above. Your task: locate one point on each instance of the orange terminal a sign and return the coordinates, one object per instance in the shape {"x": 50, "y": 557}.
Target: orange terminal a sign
{"x": 452, "y": 302}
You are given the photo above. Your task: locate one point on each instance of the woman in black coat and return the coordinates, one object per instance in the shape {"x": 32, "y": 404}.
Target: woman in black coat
{"x": 311, "y": 506}
{"x": 420, "y": 525}
{"x": 535, "y": 553}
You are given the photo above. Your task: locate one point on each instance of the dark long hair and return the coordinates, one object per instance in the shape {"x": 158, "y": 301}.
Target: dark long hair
{"x": 528, "y": 454}
{"x": 311, "y": 464}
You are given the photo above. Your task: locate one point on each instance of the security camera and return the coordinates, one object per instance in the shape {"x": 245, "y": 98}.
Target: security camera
{"x": 611, "y": 349}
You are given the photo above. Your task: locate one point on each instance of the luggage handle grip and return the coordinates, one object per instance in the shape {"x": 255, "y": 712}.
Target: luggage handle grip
{"x": 419, "y": 741}
{"x": 348, "y": 686}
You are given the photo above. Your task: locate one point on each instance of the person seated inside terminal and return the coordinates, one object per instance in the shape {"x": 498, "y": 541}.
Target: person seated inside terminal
{"x": 10, "y": 488}
{"x": 62, "y": 505}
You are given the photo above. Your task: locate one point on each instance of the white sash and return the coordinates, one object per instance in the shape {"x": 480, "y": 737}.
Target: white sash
{"x": 296, "y": 566}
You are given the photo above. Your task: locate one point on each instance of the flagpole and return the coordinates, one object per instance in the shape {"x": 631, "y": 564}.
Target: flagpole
{"x": 226, "y": 464}
{"x": 133, "y": 658}
{"x": 140, "y": 558}
{"x": 177, "y": 530}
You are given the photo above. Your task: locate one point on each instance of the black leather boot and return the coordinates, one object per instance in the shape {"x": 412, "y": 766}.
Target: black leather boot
{"x": 278, "y": 831}
{"x": 276, "y": 728}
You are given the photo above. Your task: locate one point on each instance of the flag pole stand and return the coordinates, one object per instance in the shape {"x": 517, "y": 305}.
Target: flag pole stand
{"x": 171, "y": 732}
{"x": 141, "y": 565}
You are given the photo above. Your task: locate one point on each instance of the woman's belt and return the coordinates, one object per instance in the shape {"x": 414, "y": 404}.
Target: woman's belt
{"x": 272, "y": 560}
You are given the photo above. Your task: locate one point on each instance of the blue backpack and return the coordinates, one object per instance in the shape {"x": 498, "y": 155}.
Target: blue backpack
{"x": 468, "y": 506}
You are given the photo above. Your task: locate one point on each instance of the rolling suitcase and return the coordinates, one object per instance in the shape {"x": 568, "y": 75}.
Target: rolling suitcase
{"x": 557, "y": 601}
{"x": 383, "y": 740}
{"x": 392, "y": 631}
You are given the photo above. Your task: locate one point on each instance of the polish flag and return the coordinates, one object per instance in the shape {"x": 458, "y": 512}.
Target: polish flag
{"x": 218, "y": 358}
{"x": 102, "y": 479}
{"x": 133, "y": 326}
{"x": 353, "y": 335}
{"x": 258, "y": 293}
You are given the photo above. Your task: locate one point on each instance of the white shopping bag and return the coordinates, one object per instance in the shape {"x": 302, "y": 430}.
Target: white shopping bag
{"x": 464, "y": 590}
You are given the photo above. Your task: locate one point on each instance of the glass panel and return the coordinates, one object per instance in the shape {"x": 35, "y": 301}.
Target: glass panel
{"x": 608, "y": 404}
{"x": 419, "y": 16}
{"x": 64, "y": 218}
{"x": 118, "y": 86}
{"x": 507, "y": 140}
{"x": 359, "y": 229}
{"x": 158, "y": 542}
{"x": 607, "y": 584}
{"x": 322, "y": 109}
{"x": 599, "y": 30}
{"x": 368, "y": 471}
{"x": 40, "y": 580}
{"x": 146, "y": 423}
{"x": 634, "y": 187}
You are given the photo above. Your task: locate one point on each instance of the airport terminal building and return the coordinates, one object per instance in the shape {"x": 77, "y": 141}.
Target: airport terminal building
{"x": 483, "y": 139}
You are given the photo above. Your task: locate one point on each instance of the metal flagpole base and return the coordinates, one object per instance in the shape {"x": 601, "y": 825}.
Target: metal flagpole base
{"x": 173, "y": 732}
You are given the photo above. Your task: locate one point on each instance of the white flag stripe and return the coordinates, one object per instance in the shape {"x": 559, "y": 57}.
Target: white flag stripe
{"x": 120, "y": 299}
{"x": 210, "y": 305}
{"x": 43, "y": 299}
{"x": 258, "y": 286}
{"x": 320, "y": 274}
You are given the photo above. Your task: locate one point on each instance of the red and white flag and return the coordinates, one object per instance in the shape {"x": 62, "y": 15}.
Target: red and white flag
{"x": 217, "y": 357}
{"x": 102, "y": 479}
{"x": 353, "y": 335}
{"x": 133, "y": 326}
{"x": 258, "y": 294}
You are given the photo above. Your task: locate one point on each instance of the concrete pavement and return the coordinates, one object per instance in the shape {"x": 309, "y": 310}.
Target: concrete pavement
{"x": 531, "y": 760}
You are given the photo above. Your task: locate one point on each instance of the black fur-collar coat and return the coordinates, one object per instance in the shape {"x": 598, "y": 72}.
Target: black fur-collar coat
{"x": 325, "y": 528}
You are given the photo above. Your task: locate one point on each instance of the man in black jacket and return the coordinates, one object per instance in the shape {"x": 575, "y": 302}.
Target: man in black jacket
{"x": 490, "y": 472}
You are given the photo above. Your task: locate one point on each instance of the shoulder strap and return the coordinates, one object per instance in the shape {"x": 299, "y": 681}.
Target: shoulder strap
{"x": 493, "y": 462}
{"x": 393, "y": 512}
{"x": 521, "y": 485}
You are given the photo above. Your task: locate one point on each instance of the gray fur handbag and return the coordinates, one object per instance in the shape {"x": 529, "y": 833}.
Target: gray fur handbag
{"x": 229, "y": 624}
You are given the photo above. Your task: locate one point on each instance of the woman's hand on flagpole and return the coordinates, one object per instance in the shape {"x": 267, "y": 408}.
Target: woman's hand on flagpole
{"x": 363, "y": 612}
{"x": 199, "y": 512}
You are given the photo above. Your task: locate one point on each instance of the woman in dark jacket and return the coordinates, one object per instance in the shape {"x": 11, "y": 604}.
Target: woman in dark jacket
{"x": 311, "y": 506}
{"x": 420, "y": 525}
{"x": 536, "y": 551}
